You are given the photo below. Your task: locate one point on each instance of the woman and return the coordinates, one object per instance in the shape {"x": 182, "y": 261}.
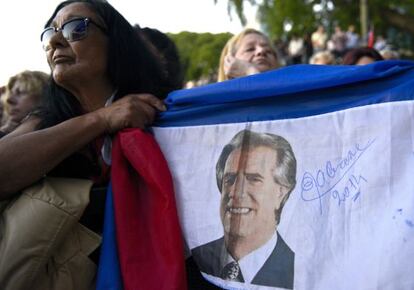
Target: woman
{"x": 23, "y": 93}
{"x": 95, "y": 58}
{"x": 249, "y": 52}
{"x": 103, "y": 79}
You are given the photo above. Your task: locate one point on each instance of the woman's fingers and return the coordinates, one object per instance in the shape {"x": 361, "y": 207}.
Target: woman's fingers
{"x": 151, "y": 100}
{"x": 131, "y": 111}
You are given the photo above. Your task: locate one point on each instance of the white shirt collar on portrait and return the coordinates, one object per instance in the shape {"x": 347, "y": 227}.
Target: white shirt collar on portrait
{"x": 253, "y": 262}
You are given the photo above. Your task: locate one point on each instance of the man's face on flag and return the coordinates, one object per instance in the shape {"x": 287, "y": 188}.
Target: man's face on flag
{"x": 249, "y": 195}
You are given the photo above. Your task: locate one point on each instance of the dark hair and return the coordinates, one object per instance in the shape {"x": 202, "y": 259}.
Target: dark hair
{"x": 132, "y": 66}
{"x": 285, "y": 170}
{"x": 353, "y": 55}
{"x": 168, "y": 53}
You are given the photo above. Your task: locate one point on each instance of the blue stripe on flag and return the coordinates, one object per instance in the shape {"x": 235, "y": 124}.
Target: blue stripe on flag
{"x": 290, "y": 92}
{"x": 109, "y": 273}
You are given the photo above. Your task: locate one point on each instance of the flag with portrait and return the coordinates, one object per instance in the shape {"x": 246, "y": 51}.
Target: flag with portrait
{"x": 298, "y": 178}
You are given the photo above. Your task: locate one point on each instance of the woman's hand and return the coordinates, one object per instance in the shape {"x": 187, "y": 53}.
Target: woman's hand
{"x": 235, "y": 68}
{"x": 131, "y": 111}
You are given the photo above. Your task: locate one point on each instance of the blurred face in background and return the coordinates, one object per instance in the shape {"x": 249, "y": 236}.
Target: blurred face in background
{"x": 20, "y": 102}
{"x": 365, "y": 60}
{"x": 256, "y": 49}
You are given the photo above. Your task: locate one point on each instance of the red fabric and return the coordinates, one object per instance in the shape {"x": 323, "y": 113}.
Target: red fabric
{"x": 371, "y": 38}
{"x": 148, "y": 233}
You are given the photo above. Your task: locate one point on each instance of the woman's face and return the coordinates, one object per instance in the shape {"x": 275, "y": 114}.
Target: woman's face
{"x": 20, "y": 102}
{"x": 256, "y": 49}
{"x": 80, "y": 62}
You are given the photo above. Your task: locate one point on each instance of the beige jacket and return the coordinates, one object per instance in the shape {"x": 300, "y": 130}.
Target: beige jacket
{"x": 42, "y": 245}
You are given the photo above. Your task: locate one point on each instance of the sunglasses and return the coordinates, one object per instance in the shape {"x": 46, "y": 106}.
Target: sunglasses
{"x": 72, "y": 30}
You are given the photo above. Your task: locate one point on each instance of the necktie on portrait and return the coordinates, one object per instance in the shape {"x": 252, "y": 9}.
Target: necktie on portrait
{"x": 232, "y": 272}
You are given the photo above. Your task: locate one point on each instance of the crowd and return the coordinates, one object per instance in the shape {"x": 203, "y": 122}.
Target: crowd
{"x": 311, "y": 48}
{"x": 341, "y": 47}
{"x": 106, "y": 75}
{"x": 321, "y": 48}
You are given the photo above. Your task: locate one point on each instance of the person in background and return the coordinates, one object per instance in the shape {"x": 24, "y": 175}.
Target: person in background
{"x": 352, "y": 39}
{"x": 319, "y": 39}
{"x": 322, "y": 57}
{"x": 249, "y": 52}
{"x": 380, "y": 43}
{"x": 23, "y": 94}
{"x": 296, "y": 49}
{"x": 167, "y": 51}
{"x": 389, "y": 54}
{"x": 281, "y": 46}
{"x": 104, "y": 78}
{"x": 339, "y": 42}
{"x": 308, "y": 48}
{"x": 361, "y": 56}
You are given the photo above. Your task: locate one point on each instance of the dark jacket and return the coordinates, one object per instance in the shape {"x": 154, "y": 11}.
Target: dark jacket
{"x": 277, "y": 271}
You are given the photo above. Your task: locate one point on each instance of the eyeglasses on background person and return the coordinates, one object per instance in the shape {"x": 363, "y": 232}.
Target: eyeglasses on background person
{"x": 72, "y": 30}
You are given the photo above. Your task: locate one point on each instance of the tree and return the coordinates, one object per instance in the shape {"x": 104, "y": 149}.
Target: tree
{"x": 304, "y": 15}
{"x": 238, "y": 6}
{"x": 295, "y": 14}
{"x": 199, "y": 53}
{"x": 383, "y": 14}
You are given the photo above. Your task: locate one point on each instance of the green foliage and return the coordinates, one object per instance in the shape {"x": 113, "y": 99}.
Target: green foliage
{"x": 275, "y": 14}
{"x": 237, "y": 5}
{"x": 347, "y": 11}
{"x": 199, "y": 52}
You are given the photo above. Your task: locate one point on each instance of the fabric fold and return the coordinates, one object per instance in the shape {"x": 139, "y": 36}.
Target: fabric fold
{"x": 149, "y": 240}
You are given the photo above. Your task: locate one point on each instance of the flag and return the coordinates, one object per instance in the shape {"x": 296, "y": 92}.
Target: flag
{"x": 142, "y": 245}
{"x": 337, "y": 211}
{"x": 109, "y": 272}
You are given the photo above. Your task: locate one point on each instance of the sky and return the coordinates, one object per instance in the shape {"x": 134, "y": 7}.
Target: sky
{"x": 21, "y": 22}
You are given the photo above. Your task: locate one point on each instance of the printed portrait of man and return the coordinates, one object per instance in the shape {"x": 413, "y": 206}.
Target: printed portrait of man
{"x": 256, "y": 172}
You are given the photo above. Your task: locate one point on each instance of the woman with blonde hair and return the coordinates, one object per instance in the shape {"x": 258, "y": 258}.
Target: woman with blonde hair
{"x": 249, "y": 52}
{"x": 22, "y": 95}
